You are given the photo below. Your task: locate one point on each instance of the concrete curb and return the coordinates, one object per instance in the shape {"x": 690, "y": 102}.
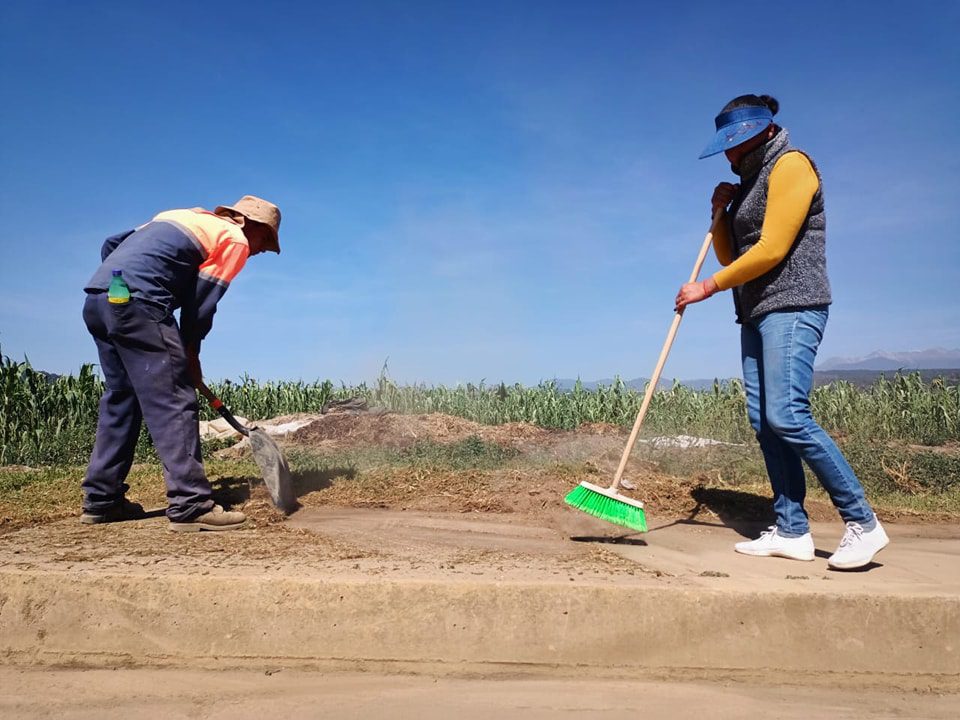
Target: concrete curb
{"x": 93, "y": 619}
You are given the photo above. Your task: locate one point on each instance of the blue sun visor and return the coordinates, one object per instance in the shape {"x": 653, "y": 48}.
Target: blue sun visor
{"x": 738, "y": 126}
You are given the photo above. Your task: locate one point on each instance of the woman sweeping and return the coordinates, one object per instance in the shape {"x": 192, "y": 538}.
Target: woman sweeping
{"x": 771, "y": 239}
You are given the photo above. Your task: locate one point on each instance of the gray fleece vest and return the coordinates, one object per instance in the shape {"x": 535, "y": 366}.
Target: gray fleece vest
{"x": 800, "y": 279}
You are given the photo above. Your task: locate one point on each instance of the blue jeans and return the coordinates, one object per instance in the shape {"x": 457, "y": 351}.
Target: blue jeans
{"x": 778, "y": 350}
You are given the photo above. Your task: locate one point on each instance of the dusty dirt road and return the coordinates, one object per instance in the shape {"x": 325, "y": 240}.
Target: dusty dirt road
{"x": 139, "y": 694}
{"x": 501, "y": 525}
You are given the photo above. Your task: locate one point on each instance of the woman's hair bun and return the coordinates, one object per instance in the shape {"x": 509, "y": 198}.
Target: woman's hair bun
{"x": 752, "y": 101}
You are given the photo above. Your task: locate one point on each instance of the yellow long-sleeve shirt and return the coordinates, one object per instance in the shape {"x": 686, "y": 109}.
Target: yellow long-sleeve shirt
{"x": 792, "y": 184}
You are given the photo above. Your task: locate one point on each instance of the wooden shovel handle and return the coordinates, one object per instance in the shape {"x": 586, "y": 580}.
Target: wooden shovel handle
{"x": 655, "y": 377}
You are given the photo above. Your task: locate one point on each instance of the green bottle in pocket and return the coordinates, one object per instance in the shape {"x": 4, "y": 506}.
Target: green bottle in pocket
{"x": 118, "y": 293}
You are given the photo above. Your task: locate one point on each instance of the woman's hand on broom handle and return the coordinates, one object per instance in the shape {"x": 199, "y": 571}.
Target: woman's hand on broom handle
{"x": 723, "y": 195}
{"x": 694, "y": 292}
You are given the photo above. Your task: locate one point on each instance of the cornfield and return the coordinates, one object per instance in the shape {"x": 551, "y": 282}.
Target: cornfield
{"x": 46, "y": 420}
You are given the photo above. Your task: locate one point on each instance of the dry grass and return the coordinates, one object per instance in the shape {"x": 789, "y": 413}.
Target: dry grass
{"x": 529, "y": 476}
{"x": 444, "y": 463}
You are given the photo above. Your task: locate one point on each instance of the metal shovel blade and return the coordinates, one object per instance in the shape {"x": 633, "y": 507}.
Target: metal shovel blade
{"x": 274, "y": 469}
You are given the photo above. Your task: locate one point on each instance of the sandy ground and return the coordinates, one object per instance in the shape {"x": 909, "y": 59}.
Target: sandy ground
{"x": 137, "y": 694}
{"x": 565, "y": 545}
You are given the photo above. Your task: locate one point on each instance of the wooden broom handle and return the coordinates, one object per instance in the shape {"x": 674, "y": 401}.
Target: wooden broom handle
{"x": 655, "y": 377}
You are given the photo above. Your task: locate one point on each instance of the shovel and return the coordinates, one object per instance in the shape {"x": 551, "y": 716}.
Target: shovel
{"x": 273, "y": 466}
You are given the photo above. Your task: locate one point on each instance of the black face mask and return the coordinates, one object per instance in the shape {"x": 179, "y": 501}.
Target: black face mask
{"x": 735, "y": 169}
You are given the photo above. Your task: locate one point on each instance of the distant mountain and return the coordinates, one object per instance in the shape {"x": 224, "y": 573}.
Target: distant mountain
{"x": 636, "y": 383}
{"x": 860, "y": 378}
{"x": 933, "y": 359}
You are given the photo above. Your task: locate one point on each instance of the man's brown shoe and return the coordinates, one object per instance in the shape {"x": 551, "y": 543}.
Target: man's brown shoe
{"x": 214, "y": 519}
{"x": 123, "y": 510}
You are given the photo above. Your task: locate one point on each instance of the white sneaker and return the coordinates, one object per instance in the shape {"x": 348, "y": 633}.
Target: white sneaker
{"x": 858, "y": 546}
{"x": 772, "y": 544}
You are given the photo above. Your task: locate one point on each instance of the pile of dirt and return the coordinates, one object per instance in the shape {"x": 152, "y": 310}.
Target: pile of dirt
{"x": 387, "y": 429}
{"x": 553, "y": 462}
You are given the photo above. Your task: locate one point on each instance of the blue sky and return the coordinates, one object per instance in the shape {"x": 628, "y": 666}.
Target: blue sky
{"x": 497, "y": 190}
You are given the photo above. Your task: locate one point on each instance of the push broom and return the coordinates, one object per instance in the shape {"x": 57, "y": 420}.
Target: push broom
{"x": 607, "y": 503}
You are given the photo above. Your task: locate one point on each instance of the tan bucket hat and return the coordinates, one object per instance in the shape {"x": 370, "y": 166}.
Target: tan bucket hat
{"x": 258, "y": 210}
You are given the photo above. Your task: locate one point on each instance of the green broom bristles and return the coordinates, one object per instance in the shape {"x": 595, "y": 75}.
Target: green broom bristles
{"x": 607, "y": 505}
